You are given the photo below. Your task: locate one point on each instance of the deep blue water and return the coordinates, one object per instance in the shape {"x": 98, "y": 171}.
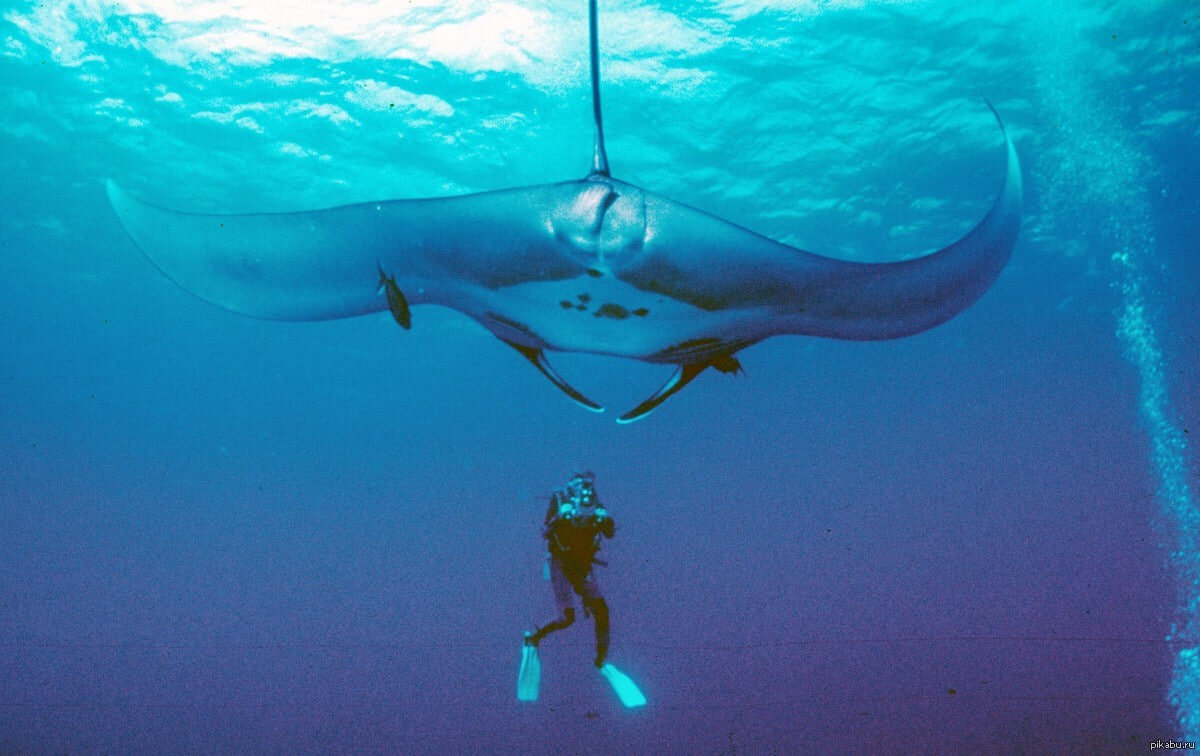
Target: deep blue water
{"x": 224, "y": 534}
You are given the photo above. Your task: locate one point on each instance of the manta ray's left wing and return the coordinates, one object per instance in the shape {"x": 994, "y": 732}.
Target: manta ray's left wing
{"x": 345, "y": 261}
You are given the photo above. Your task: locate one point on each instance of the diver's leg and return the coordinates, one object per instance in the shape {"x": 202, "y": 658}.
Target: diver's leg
{"x": 562, "y": 599}
{"x": 593, "y": 602}
{"x": 565, "y": 621}
{"x": 599, "y": 610}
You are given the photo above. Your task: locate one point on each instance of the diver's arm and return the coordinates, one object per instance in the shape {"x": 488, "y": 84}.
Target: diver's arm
{"x": 552, "y": 510}
{"x": 554, "y": 543}
{"x": 604, "y": 523}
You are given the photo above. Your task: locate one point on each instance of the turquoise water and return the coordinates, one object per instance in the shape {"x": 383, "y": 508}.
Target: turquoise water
{"x": 229, "y": 534}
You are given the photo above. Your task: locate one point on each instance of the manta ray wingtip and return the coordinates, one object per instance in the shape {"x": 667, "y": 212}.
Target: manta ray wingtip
{"x": 117, "y": 196}
{"x": 996, "y": 114}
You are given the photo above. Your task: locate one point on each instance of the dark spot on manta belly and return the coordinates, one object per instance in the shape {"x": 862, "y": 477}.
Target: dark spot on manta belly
{"x": 594, "y": 273}
{"x": 585, "y": 298}
{"x": 641, "y": 312}
{"x": 565, "y": 305}
{"x": 609, "y": 310}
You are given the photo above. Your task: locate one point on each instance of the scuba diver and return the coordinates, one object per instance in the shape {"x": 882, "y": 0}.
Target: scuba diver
{"x": 575, "y": 522}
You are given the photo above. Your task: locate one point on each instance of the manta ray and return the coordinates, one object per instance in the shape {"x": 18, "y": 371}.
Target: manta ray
{"x": 594, "y": 265}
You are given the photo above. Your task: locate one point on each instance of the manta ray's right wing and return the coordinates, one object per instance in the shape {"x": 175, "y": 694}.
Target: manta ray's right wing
{"x": 763, "y": 288}
{"x": 770, "y": 288}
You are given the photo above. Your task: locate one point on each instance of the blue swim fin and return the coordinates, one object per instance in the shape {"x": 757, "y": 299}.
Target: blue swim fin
{"x": 530, "y": 675}
{"x": 626, "y": 689}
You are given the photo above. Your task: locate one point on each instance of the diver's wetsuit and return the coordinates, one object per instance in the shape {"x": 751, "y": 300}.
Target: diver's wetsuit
{"x": 573, "y": 542}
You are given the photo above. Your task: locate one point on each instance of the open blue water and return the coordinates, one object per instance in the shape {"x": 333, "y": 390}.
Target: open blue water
{"x": 223, "y": 534}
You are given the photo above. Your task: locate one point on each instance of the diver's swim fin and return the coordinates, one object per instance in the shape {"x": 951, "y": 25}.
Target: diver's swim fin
{"x": 626, "y": 689}
{"x": 530, "y": 675}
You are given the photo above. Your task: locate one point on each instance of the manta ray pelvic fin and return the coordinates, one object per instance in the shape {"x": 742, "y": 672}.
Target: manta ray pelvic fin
{"x": 726, "y": 363}
{"x": 396, "y": 301}
{"x": 538, "y": 358}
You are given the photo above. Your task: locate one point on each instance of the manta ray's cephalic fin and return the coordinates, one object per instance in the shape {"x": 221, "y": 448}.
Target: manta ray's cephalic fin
{"x": 396, "y": 301}
{"x": 538, "y": 358}
{"x": 725, "y": 363}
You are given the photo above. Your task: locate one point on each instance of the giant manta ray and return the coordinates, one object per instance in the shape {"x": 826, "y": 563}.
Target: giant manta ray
{"x": 595, "y": 265}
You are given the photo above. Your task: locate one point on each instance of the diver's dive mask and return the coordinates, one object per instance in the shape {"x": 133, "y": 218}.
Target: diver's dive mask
{"x": 582, "y": 502}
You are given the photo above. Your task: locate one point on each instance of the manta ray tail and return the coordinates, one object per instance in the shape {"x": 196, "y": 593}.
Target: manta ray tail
{"x": 600, "y": 158}
{"x": 538, "y": 358}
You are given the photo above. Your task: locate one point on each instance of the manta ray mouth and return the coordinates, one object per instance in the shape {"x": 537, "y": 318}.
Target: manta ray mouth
{"x": 603, "y": 220}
